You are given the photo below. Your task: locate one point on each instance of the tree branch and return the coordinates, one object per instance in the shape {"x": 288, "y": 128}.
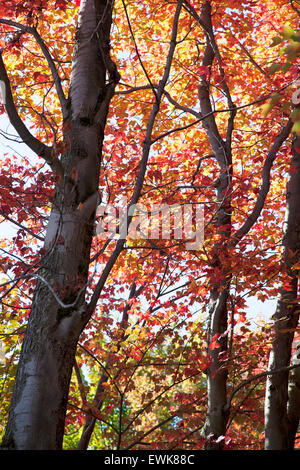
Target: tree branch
{"x": 6, "y": 217}
{"x": 295, "y": 8}
{"x": 181, "y": 107}
{"x": 137, "y": 51}
{"x": 265, "y": 184}
{"x": 142, "y": 171}
{"x": 257, "y": 377}
{"x": 47, "y": 56}
{"x": 36, "y": 145}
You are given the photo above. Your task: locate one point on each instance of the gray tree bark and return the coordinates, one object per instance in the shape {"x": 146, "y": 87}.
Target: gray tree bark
{"x": 294, "y": 399}
{"x": 218, "y": 408}
{"x": 286, "y": 319}
{"x": 216, "y": 418}
{"x": 38, "y": 406}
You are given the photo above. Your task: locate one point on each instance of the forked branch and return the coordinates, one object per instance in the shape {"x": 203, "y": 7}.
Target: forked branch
{"x": 29, "y": 139}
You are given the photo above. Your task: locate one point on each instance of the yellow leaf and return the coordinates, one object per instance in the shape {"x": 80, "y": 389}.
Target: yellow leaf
{"x": 296, "y": 128}
{"x": 266, "y": 108}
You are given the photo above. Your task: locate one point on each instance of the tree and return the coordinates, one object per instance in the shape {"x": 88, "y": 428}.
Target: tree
{"x": 53, "y": 329}
{"x": 166, "y": 105}
{"x": 287, "y": 317}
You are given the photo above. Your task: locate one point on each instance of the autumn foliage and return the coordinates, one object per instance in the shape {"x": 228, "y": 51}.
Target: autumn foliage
{"x": 145, "y": 356}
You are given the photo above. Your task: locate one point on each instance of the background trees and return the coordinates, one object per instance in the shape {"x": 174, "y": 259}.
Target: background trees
{"x": 143, "y": 342}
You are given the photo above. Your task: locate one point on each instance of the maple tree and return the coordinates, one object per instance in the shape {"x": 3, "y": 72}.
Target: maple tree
{"x": 134, "y": 342}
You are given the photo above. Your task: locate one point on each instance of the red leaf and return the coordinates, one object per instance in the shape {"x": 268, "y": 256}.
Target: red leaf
{"x": 214, "y": 345}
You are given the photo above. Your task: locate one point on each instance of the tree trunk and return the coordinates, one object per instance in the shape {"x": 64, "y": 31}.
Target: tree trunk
{"x": 38, "y": 407}
{"x": 216, "y": 418}
{"x": 286, "y": 319}
{"x": 294, "y": 399}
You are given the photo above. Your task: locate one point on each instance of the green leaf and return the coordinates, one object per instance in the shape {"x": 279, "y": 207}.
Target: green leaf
{"x": 286, "y": 67}
{"x": 295, "y": 115}
{"x": 266, "y": 108}
{"x": 288, "y": 31}
{"x": 274, "y": 68}
{"x": 296, "y": 128}
{"x": 276, "y": 40}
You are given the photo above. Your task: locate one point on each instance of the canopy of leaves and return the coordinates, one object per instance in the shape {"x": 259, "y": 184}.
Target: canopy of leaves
{"x": 146, "y": 342}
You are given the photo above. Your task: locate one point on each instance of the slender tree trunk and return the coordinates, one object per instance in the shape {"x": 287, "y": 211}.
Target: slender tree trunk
{"x": 90, "y": 420}
{"x": 216, "y": 418}
{"x": 294, "y": 399}
{"x": 286, "y": 319}
{"x": 38, "y": 407}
